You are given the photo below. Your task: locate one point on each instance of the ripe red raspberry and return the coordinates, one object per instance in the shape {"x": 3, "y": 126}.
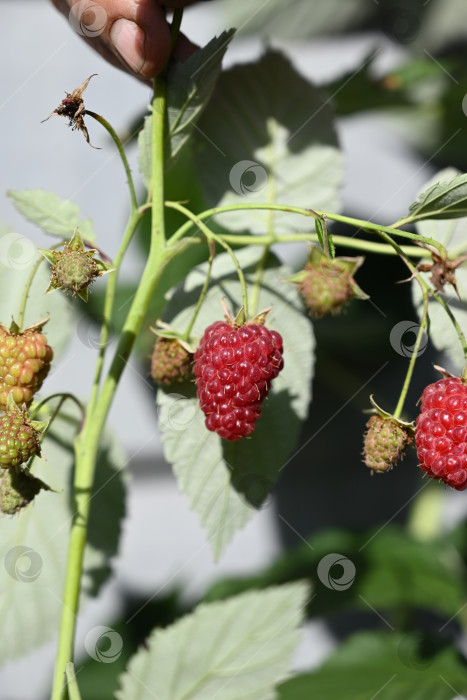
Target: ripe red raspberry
{"x": 441, "y": 432}
{"x": 234, "y": 367}
{"x": 25, "y": 361}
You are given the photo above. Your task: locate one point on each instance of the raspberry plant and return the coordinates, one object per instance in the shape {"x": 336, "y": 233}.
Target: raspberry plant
{"x": 242, "y": 380}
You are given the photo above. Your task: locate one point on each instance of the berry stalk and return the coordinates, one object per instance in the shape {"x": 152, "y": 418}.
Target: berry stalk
{"x": 87, "y": 443}
{"x": 360, "y": 224}
{"x": 211, "y": 236}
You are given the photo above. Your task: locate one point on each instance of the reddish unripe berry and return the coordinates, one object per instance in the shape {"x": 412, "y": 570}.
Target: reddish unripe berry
{"x": 24, "y": 364}
{"x": 234, "y": 368}
{"x": 441, "y": 432}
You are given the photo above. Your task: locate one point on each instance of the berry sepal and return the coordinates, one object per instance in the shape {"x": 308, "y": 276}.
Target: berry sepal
{"x": 385, "y": 440}
{"x": 74, "y": 268}
{"x": 327, "y": 284}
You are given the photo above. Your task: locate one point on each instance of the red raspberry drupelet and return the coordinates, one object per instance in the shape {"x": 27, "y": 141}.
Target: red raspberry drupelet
{"x": 441, "y": 432}
{"x": 234, "y": 368}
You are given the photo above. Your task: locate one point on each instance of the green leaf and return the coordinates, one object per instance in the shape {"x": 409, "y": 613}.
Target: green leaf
{"x": 384, "y": 570}
{"x": 225, "y": 482}
{"x": 295, "y": 19}
{"x": 18, "y": 254}
{"x": 239, "y": 648}
{"x": 189, "y": 87}
{"x": 257, "y": 143}
{"x": 54, "y": 216}
{"x": 34, "y": 543}
{"x": 446, "y": 199}
{"x": 451, "y": 233}
{"x": 386, "y": 666}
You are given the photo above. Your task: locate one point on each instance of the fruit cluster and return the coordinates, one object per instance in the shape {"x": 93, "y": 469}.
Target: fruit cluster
{"x": 234, "y": 367}
{"x": 441, "y": 432}
{"x": 25, "y": 361}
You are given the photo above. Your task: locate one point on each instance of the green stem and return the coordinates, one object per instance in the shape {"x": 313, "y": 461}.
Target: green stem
{"x": 63, "y": 396}
{"x": 113, "y": 134}
{"x": 27, "y": 286}
{"x": 356, "y": 223}
{"x": 254, "y": 296}
{"x": 72, "y": 683}
{"x": 109, "y": 303}
{"x": 87, "y": 443}
{"x": 430, "y": 292}
{"x": 355, "y": 243}
{"x": 210, "y": 235}
{"x": 408, "y": 376}
{"x": 202, "y": 296}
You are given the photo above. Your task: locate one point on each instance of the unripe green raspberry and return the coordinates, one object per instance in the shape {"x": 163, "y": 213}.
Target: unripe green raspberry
{"x": 19, "y": 440}
{"x": 170, "y": 362}
{"x": 74, "y": 270}
{"x": 327, "y": 284}
{"x": 385, "y": 442}
{"x": 25, "y": 361}
{"x": 17, "y": 489}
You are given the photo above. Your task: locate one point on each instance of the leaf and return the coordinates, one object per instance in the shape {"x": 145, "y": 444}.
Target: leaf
{"x": 386, "y": 666}
{"x": 294, "y": 19}
{"x": 384, "y": 570}
{"x": 257, "y": 143}
{"x": 225, "y": 482}
{"x": 239, "y": 648}
{"x": 54, "y": 216}
{"x": 452, "y": 234}
{"x": 446, "y": 199}
{"x": 189, "y": 87}
{"x": 18, "y": 255}
{"x": 34, "y": 543}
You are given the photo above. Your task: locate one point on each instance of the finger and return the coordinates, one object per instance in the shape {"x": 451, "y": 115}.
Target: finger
{"x": 135, "y": 32}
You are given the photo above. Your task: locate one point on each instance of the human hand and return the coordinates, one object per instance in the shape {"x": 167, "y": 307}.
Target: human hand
{"x": 133, "y": 35}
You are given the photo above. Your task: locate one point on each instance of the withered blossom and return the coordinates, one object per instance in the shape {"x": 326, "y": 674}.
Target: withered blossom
{"x": 443, "y": 271}
{"x": 72, "y": 107}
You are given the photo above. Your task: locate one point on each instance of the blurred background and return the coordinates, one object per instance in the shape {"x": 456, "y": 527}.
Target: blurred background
{"x": 396, "y": 76}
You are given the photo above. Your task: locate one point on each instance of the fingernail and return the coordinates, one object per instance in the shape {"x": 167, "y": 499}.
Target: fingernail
{"x": 128, "y": 40}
